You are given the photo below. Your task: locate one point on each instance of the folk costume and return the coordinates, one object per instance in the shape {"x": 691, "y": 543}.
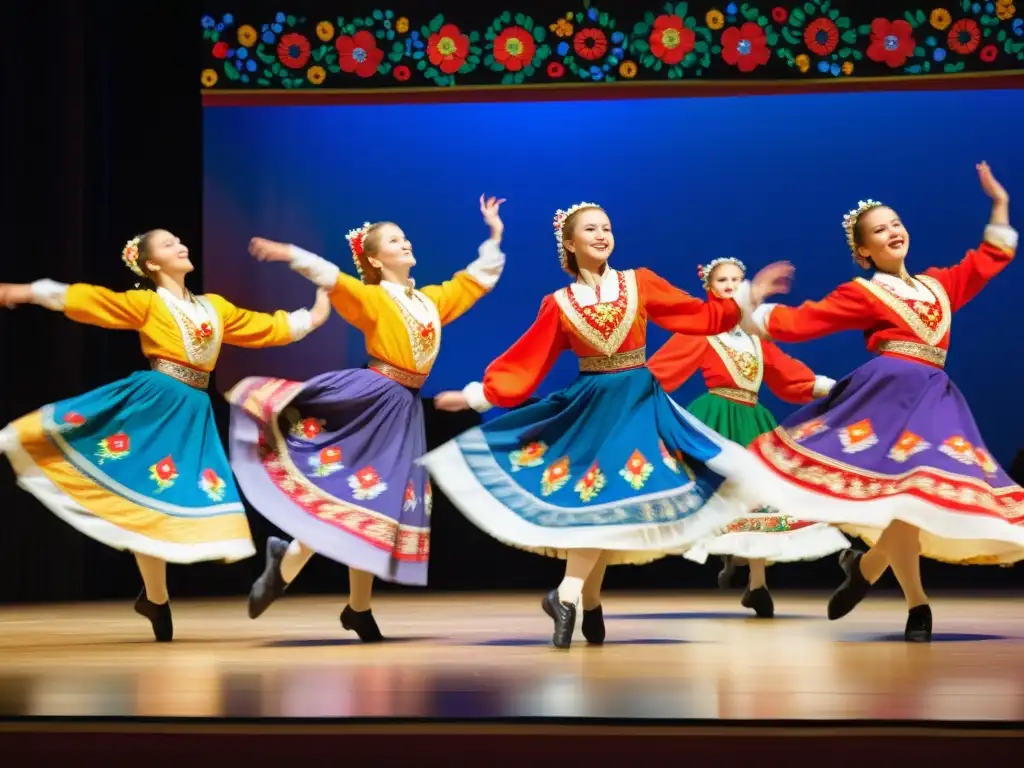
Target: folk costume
{"x": 608, "y": 464}
{"x": 330, "y": 461}
{"x": 734, "y": 365}
{"x": 138, "y": 464}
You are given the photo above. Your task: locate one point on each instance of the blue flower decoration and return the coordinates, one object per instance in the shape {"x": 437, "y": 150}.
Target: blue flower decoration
{"x": 268, "y": 37}
{"x": 617, "y": 37}
{"x": 617, "y": 53}
{"x": 939, "y": 54}
{"x": 597, "y": 73}
{"x": 731, "y": 9}
{"x": 592, "y": 14}
{"x": 277, "y": 28}
{"x": 990, "y": 8}
{"x": 228, "y": 19}
{"x": 1018, "y": 27}
{"x": 245, "y": 78}
{"x": 242, "y": 53}
{"x": 220, "y": 27}
{"x": 823, "y": 67}
{"x": 834, "y": 70}
{"x": 563, "y": 48}
{"x": 208, "y": 22}
{"x": 976, "y": 8}
{"x": 279, "y": 18}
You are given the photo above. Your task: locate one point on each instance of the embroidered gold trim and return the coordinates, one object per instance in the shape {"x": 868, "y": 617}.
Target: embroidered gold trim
{"x": 732, "y": 358}
{"x": 591, "y": 335}
{"x": 620, "y": 361}
{"x": 907, "y": 315}
{"x": 184, "y": 374}
{"x": 198, "y": 353}
{"x": 732, "y": 393}
{"x": 398, "y": 375}
{"x": 925, "y": 352}
{"x": 424, "y": 348}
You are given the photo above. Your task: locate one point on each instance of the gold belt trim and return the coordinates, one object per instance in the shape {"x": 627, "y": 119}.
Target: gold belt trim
{"x": 183, "y": 373}
{"x": 923, "y": 352}
{"x": 620, "y": 361}
{"x": 398, "y": 375}
{"x": 733, "y": 393}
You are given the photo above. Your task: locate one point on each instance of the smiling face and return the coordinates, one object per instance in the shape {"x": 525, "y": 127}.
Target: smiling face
{"x": 161, "y": 252}
{"x": 881, "y": 239}
{"x": 387, "y": 247}
{"x": 587, "y": 239}
{"x": 725, "y": 279}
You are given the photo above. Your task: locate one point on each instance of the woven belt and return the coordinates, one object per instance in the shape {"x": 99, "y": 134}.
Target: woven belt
{"x": 183, "y": 373}
{"x": 744, "y": 396}
{"x": 923, "y": 352}
{"x": 399, "y": 375}
{"x": 620, "y": 361}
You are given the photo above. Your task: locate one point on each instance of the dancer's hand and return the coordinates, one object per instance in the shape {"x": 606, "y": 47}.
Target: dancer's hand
{"x": 321, "y": 308}
{"x": 489, "y": 208}
{"x": 269, "y": 250}
{"x": 451, "y": 401}
{"x": 13, "y": 294}
{"x": 774, "y": 279}
{"x": 991, "y": 187}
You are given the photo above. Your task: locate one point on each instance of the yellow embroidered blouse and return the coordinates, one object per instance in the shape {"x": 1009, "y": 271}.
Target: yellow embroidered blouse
{"x": 401, "y": 330}
{"x": 185, "y": 332}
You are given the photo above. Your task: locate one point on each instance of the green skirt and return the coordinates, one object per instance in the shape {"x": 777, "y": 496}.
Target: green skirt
{"x": 765, "y": 534}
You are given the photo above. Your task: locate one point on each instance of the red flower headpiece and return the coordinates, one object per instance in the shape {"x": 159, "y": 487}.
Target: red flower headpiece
{"x": 355, "y": 239}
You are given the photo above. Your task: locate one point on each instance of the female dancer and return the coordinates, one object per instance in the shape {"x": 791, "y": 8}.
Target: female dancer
{"x": 330, "y": 461}
{"x": 609, "y": 470}
{"x": 734, "y": 365}
{"x": 138, "y": 464}
{"x": 893, "y": 453}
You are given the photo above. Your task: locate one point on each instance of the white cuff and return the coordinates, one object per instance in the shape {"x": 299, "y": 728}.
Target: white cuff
{"x": 1002, "y": 236}
{"x": 312, "y": 267}
{"x": 758, "y": 322}
{"x": 49, "y": 294}
{"x": 489, "y": 263}
{"x": 300, "y": 324}
{"x": 744, "y": 297}
{"x": 474, "y": 394}
{"x": 822, "y": 385}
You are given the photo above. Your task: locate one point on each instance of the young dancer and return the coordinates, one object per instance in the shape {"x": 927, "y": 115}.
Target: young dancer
{"x": 609, "y": 470}
{"x": 735, "y": 365}
{"x": 330, "y": 460}
{"x": 138, "y": 464}
{"x": 893, "y": 453}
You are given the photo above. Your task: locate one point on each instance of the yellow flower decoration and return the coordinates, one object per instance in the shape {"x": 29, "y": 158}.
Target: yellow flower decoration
{"x": 402, "y": 25}
{"x": 316, "y": 75}
{"x": 208, "y": 78}
{"x": 562, "y": 28}
{"x": 940, "y": 18}
{"x": 1005, "y": 12}
{"x": 803, "y": 62}
{"x": 325, "y": 30}
{"x": 715, "y": 19}
{"x": 246, "y": 36}
{"x": 847, "y": 67}
{"x": 627, "y": 69}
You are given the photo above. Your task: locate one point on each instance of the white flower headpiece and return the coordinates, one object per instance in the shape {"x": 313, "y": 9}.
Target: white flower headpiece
{"x": 130, "y": 255}
{"x": 355, "y": 239}
{"x": 850, "y": 221}
{"x": 559, "y": 222}
{"x": 704, "y": 271}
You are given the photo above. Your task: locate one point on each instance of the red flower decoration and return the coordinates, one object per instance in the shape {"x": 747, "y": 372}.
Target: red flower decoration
{"x": 220, "y": 50}
{"x": 988, "y": 54}
{"x": 821, "y": 37}
{"x": 166, "y": 470}
{"x": 746, "y": 47}
{"x": 779, "y": 14}
{"x": 210, "y": 476}
{"x": 293, "y": 50}
{"x": 964, "y": 37}
{"x": 118, "y": 443}
{"x": 330, "y": 455}
{"x": 448, "y": 48}
{"x": 359, "y": 53}
{"x": 402, "y": 73}
{"x": 892, "y": 42}
{"x": 514, "y": 48}
{"x": 670, "y": 40}
{"x": 555, "y": 69}
{"x": 590, "y": 44}
{"x": 74, "y": 419}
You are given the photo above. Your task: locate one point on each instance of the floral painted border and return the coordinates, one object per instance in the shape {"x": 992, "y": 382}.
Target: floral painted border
{"x": 806, "y": 40}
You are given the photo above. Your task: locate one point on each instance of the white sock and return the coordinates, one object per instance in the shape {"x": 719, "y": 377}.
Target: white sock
{"x": 570, "y": 589}
{"x": 294, "y": 560}
{"x": 154, "y": 576}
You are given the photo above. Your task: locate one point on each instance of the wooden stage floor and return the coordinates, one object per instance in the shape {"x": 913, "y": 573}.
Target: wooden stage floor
{"x": 668, "y": 657}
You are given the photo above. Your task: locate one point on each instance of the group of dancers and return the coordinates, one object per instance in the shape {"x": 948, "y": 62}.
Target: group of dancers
{"x": 610, "y": 470}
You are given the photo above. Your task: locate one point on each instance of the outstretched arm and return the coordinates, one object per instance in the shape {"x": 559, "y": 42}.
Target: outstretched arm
{"x": 791, "y": 380}
{"x": 849, "y": 307}
{"x": 83, "y": 303}
{"x": 254, "y": 330}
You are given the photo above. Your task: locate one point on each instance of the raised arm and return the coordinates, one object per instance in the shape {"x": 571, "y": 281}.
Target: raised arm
{"x": 677, "y": 311}
{"x": 677, "y": 360}
{"x": 89, "y": 304}
{"x": 455, "y": 297}
{"x": 847, "y": 308}
{"x": 516, "y": 374}
{"x": 254, "y": 330}
{"x": 791, "y": 380}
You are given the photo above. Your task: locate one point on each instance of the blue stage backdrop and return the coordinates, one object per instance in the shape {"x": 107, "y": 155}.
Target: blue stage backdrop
{"x": 759, "y": 178}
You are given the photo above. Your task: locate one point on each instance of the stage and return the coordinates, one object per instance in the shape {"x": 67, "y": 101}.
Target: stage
{"x": 675, "y": 664}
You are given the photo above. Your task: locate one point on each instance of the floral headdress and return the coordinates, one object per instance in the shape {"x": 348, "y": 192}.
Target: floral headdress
{"x": 559, "y": 222}
{"x": 704, "y": 270}
{"x": 850, "y": 221}
{"x": 355, "y": 239}
{"x": 130, "y": 255}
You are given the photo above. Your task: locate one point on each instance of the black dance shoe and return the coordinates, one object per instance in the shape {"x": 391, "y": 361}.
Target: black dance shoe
{"x": 919, "y": 624}
{"x": 728, "y": 569}
{"x": 852, "y": 590}
{"x": 593, "y": 625}
{"x": 760, "y": 600}
{"x": 564, "y": 616}
{"x": 159, "y": 616}
{"x": 271, "y": 584}
{"x": 362, "y": 623}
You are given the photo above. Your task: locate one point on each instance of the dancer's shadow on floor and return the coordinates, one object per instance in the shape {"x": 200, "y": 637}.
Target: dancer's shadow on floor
{"x": 327, "y": 642}
{"x": 705, "y": 616}
{"x": 937, "y": 637}
{"x": 530, "y": 642}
